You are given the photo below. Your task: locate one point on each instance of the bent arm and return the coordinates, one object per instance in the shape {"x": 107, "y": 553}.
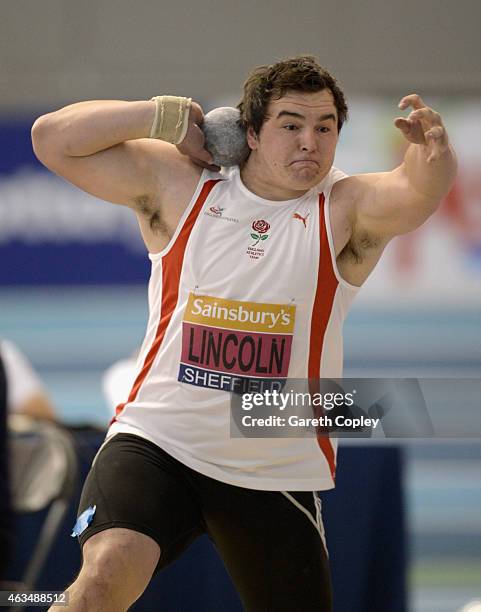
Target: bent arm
{"x": 104, "y": 148}
{"x": 85, "y": 128}
{"x": 399, "y": 201}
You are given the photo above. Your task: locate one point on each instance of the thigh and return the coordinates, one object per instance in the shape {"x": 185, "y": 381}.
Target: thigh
{"x": 273, "y": 547}
{"x": 135, "y": 485}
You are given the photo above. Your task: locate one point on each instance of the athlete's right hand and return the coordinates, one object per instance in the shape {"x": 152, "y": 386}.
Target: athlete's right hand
{"x": 193, "y": 143}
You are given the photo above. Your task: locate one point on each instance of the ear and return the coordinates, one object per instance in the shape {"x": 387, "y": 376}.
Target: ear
{"x": 252, "y": 138}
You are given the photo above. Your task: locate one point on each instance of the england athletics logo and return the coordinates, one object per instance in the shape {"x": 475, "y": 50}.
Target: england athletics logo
{"x": 261, "y": 227}
{"x": 259, "y": 235}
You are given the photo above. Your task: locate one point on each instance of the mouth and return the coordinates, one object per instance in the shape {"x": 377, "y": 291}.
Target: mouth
{"x": 305, "y": 161}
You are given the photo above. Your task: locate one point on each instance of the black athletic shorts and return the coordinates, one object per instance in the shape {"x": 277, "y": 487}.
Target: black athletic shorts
{"x": 270, "y": 534}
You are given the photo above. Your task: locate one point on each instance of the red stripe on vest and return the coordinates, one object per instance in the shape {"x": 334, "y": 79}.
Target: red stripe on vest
{"x": 171, "y": 271}
{"x": 326, "y": 289}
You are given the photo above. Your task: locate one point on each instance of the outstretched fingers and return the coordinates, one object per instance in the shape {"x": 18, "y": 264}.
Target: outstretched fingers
{"x": 413, "y": 100}
{"x": 422, "y": 126}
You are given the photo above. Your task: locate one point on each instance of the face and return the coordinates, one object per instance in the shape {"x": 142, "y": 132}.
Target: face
{"x": 297, "y": 142}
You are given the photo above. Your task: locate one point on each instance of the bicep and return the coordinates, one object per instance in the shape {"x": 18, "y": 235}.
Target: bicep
{"x": 121, "y": 174}
{"x": 388, "y": 206}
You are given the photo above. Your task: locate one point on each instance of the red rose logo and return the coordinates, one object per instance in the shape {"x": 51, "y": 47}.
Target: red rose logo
{"x": 261, "y": 227}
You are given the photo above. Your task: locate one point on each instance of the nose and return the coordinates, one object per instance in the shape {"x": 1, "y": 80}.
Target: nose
{"x": 308, "y": 140}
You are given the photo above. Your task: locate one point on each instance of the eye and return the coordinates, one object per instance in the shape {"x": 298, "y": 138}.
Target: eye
{"x": 324, "y": 129}
{"x": 290, "y": 125}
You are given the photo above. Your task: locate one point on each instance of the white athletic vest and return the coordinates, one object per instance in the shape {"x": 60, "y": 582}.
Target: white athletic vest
{"x": 246, "y": 290}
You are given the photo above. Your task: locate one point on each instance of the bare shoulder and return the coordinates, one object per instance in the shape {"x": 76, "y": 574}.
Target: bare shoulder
{"x": 352, "y": 189}
{"x": 355, "y": 196}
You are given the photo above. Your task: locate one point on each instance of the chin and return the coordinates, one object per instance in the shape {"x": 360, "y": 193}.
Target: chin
{"x": 307, "y": 181}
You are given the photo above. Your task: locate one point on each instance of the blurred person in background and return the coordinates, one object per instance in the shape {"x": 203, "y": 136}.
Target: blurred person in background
{"x": 117, "y": 380}
{"x": 26, "y": 393}
{"x": 23, "y": 393}
{"x": 6, "y": 515}
{"x": 168, "y": 470}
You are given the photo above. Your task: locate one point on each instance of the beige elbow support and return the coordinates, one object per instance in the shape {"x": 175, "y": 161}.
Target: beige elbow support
{"x": 171, "y": 118}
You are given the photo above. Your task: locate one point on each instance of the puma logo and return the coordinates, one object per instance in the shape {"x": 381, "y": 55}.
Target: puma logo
{"x": 301, "y": 218}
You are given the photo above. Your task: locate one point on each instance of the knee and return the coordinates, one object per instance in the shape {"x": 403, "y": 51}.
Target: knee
{"x": 115, "y": 573}
{"x": 99, "y": 588}
{"x": 104, "y": 567}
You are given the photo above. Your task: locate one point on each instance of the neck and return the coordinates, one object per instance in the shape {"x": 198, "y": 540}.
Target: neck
{"x": 257, "y": 181}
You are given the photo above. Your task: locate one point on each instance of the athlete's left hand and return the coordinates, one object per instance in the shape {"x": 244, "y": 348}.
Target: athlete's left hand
{"x": 423, "y": 126}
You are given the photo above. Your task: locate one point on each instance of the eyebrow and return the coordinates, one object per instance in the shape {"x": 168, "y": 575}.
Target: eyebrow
{"x": 299, "y": 116}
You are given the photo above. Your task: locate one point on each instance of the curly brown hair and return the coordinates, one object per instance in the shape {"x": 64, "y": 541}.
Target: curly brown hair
{"x": 271, "y": 82}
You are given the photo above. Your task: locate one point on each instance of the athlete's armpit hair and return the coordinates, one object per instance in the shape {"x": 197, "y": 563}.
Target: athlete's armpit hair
{"x": 357, "y": 245}
{"x": 145, "y": 206}
{"x": 157, "y": 224}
